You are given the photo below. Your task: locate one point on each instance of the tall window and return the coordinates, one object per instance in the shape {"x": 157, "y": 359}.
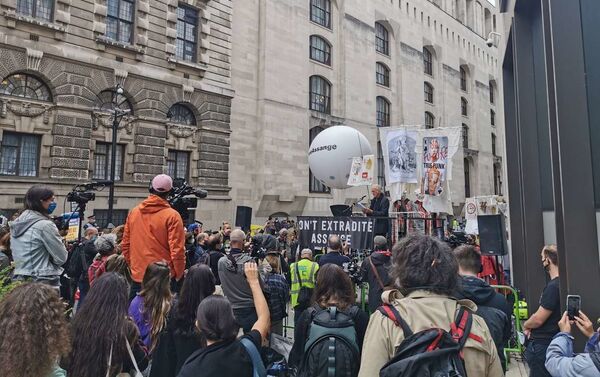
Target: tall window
{"x": 491, "y": 92}
{"x": 320, "y": 50}
{"x": 20, "y": 154}
{"x": 119, "y": 20}
{"x": 382, "y": 75}
{"x": 493, "y": 144}
{"x": 320, "y": 94}
{"x": 463, "y": 79}
{"x": 465, "y": 136}
{"x": 320, "y": 12}
{"x": 102, "y": 161}
{"x": 492, "y": 117}
{"x": 314, "y": 184}
{"x": 497, "y": 180}
{"x": 380, "y": 166}
{"x": 180, "y": 113}
{"x": 119, "y": 217}
{"x": 382, "y": 39}
{"x": 464, "y": 107}
{"x": 26, "y": 86}
{"x": 467, "y": 178}
{"x": 41, "y": 9}
{"x": 178, "y": 163}
{"x": 383, "y": 112}
{"x": 427, "y": 61}
{"x": 187, "y": 33}
{"x": 428, "y": 92}
{"x": 429, "y": 120}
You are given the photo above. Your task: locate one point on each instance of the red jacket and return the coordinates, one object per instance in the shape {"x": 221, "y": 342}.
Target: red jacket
{"x": 154, "y": 232}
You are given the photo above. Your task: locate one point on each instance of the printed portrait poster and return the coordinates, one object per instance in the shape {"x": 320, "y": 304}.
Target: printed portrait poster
{"x": 402, "y": 156}
{"x": 361, "y": 171}
{"x": 435, "y": 161}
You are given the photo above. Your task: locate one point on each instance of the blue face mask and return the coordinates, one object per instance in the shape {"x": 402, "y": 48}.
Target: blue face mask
{"x": 51, "y": 207}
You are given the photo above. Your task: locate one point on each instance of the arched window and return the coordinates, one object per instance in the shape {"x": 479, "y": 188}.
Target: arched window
{"x": 428, "y": 92}
{"x": 26, "y": 86}
{"x": 429, "y": 120}
{"x": 382, "y": 76}
{"x": 320, "y": 12}
{"x": 463, "y": 79}
{"x": 182, "y": 114}
{"x": 467, "y": 170}
{"x": 465, "y": 135}
{"x": 464, "y": 107}
{"x": 427, "y": 61}
{"x": 382, "y": 39}
{"x": 320, "y": 50}
{"x": 320, "y": 94}
{"x": 108, "y": 100}
{"x": 314, "y": 185}
{"x": 383, "y": 112}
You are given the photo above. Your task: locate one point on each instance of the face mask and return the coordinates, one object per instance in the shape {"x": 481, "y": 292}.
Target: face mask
{"x": 51, "y": 207}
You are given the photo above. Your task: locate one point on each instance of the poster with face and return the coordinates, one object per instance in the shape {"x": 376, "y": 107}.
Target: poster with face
{"x": 402, "y": 156}
{"x": 361, "y": 171}
{"x": 435, "y": 160}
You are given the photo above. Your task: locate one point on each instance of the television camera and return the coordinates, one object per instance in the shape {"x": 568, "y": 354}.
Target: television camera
{"x": 184, "y": 197}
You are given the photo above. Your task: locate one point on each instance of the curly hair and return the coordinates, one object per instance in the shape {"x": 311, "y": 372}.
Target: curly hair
{"x": 33, "y": 331}
{"x": 424, "y": 262}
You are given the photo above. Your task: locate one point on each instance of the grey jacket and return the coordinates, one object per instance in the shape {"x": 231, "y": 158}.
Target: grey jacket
{"x": 561, "y": 362}
{"x": 233, "y": 281}
{"x": 36, "y": 246}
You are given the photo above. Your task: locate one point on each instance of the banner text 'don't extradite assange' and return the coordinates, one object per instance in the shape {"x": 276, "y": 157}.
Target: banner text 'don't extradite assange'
{"x": 336, "y": 225}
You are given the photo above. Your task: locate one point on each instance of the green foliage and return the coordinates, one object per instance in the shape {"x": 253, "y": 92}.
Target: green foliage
{"x": 6, "y": 283}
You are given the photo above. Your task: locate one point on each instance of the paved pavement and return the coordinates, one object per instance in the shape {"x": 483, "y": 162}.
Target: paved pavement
{"x": 517, "y": 368}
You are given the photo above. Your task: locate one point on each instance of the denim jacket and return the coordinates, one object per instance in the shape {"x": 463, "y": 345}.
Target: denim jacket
{"x": 560, "y": 360}
{"x": 38, "y": 249}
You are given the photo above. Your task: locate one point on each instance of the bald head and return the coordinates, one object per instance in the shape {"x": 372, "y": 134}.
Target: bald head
{"x": 334, "y": 243}
{"x": 237, "y": 238}
{"x": 91, "y": 232}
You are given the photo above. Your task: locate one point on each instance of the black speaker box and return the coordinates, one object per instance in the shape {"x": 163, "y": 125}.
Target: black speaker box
{"x": 492, "y": 235}
{"x": 243, "y": 218}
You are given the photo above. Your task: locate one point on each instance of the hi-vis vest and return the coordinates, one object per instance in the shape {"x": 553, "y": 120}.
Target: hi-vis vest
{"x": 308, "y": 271}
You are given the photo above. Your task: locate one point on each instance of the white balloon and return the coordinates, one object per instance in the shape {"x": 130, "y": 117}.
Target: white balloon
{"x": 331, "y": 152}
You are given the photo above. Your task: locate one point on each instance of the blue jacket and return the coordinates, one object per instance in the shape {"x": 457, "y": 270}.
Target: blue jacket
{"x": 37, "y": 248}
{"x": 561, "y": 362}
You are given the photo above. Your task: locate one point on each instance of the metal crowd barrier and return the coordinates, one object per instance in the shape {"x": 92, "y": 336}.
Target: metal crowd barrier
{"x": 514, "y": 345}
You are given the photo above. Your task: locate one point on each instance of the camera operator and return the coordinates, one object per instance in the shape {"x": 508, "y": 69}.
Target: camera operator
{"x": 154, "y": 232}
{"x": 374, "y": 270}
{"x": 38, "y": 250}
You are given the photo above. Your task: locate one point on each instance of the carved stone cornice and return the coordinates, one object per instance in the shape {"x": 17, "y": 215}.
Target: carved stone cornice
{"x": 182, "y": 131}
{"x": 105, "y": 119}
{"x": 23, "y": 107}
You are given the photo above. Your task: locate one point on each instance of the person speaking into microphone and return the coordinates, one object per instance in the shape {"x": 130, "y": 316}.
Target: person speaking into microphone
{"x": 379, "y": 208}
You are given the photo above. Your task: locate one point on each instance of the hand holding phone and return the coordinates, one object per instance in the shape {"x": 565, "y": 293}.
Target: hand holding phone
{"x": 573, "y": 306}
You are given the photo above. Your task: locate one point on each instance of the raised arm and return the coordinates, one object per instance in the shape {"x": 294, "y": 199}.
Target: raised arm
{"x": 263, "y": 323}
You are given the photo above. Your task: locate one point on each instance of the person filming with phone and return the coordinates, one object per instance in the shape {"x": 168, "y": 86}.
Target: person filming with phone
{"x": 560, "y": 359}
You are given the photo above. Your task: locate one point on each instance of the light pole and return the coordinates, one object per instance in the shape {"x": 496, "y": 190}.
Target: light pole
{"x": 118, "y": 114}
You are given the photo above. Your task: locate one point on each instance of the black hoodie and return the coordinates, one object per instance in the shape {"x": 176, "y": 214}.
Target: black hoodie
{"x": 381, "y": 261}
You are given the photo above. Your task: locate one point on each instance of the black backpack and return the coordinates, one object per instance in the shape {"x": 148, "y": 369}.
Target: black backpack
{"x": 429, "y": 353}
{"x": 331, "y": 349}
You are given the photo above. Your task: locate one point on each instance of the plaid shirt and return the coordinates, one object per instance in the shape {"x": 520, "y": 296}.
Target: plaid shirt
{"x": 278, "y": 293}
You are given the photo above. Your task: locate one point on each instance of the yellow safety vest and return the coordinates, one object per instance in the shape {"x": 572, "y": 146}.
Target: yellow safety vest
{"x": 308, "y": 271}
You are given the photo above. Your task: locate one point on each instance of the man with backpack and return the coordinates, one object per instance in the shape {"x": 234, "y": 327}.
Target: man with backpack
{"x": 422, "y": 330}
{"x": 374, "y": 270}
{"x": 303, "y": 276}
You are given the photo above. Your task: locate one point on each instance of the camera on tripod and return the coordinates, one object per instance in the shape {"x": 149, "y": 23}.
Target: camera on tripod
{"x": 184, "y": 197}
{"x": 81, "y": 194}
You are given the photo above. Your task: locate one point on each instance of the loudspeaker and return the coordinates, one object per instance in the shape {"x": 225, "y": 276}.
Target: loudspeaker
{"x": 339, "y": 210}
{"x": 243, "y": 218}
{"x": 492, "y": 235}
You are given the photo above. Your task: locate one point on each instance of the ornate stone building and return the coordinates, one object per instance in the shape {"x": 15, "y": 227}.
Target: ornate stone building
{"x": 300, "y": 66}
{"x": 60, "y": 62}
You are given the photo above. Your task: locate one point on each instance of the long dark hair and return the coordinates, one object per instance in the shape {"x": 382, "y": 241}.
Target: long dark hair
{"x": 99, "y": 326}
{"x": 33, "y": 331}
{"x": 199, "y": 283}
{"x": 156, "y": 292}
{"x": 333, "y": 287}
{"x": 34, "y": 197}
{"x": 215, "y": 319}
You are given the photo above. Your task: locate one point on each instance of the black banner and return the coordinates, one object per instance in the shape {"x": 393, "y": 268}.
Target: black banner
{"x": 313, "y": 232}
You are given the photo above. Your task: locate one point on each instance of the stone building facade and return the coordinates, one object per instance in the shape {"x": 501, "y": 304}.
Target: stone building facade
{"x": 302, "y": 66}
{"x": 60, "y": 62}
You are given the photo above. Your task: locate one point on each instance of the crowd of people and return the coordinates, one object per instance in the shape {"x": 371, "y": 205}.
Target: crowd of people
{"x": 154, "y": 298}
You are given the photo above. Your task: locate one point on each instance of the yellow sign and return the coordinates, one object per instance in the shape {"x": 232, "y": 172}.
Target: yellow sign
{"x": 254, "y": 229}
{"x": 73, "y": 230}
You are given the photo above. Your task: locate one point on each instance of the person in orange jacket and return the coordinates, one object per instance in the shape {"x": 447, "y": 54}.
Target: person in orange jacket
{"x": 154, "y": 232}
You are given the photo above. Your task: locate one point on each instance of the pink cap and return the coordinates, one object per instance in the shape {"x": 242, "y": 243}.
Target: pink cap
{"x": 162, "y": 183}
